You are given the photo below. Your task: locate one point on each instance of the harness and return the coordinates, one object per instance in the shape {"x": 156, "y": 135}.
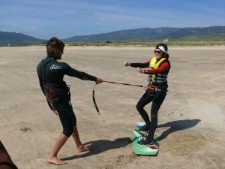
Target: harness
{"x": 53, "y": 93}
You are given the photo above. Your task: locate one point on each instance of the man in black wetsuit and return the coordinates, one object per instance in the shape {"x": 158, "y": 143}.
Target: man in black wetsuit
{"x": 57, "y": 93}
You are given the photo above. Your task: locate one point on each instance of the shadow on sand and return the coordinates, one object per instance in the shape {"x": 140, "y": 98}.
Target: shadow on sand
{"x": 177, "y": 126}
{"x": 100, "y": 146}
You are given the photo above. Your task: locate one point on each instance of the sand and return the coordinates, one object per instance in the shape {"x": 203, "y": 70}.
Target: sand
{"x": 191, "y": 119}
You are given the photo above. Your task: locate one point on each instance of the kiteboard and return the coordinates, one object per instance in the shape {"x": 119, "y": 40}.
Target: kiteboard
{"x": 145, "y": 150}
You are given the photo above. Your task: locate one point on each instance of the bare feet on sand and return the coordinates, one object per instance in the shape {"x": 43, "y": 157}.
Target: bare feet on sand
{"x": 55, "y": 160}
{"x": 82, "y": 148}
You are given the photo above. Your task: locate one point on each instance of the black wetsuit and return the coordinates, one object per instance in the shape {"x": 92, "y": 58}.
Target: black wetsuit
{"x": 50, "y": 74}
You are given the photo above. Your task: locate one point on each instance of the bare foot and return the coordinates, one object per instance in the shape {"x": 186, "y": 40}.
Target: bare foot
{"x": 82, "y": 148}
{"x": 55, "y": 160}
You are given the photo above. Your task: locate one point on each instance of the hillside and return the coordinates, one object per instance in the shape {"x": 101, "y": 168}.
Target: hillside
{"x": 216, "y": 33}
{"x": 12, "y": 38}
{"x": 151, "y": 34}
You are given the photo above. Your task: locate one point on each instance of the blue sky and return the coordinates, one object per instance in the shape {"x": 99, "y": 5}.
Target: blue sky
{"x": 67, "y": 18}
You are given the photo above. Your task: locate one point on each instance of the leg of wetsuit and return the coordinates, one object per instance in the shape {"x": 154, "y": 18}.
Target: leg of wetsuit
{"x": 67, "y": 117}
{"x": 144, "y": 100}
{"x": 156, "y": 103}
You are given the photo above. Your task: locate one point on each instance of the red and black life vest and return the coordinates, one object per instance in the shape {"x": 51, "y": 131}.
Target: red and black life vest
{"x": 160, "y": 78}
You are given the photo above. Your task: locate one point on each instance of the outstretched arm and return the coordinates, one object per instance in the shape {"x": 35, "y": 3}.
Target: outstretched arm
{"x": 163, "y": 67}
{"x": 142, "y": 65}
{"x": 81, "y": 75}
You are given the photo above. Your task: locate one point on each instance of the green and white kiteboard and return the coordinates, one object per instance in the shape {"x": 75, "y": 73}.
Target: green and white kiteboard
{"x": 145, "y": 150}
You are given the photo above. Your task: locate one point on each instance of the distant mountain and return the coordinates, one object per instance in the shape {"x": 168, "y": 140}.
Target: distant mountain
{"x": 141, "y": 34}
{"x": 154, "y": 34}
{"x": 12, "y": 38}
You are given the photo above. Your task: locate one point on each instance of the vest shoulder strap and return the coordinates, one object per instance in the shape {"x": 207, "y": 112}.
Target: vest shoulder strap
{"x": 154, "y": 63}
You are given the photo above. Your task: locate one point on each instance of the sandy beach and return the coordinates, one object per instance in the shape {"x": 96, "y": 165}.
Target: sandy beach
{"x": 191, "y": 119}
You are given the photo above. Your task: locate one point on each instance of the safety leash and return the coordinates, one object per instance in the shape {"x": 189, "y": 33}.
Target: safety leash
{"x": 94, "y": 101}
{"x": 93, "y": 91}
{"x": 123, "y": 84}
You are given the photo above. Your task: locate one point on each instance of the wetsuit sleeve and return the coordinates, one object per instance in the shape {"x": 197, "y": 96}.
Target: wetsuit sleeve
{"x": 75, "y": 73}
{"x": 162, "y": 68}
{"x": 141, "y": 65}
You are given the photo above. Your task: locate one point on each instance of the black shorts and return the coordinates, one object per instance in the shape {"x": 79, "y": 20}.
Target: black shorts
{"x": 67, "y": 117}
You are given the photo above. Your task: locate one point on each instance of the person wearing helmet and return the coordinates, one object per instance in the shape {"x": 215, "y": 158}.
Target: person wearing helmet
{"x": 51, "y": 73}
{"x": 158, "y": 70}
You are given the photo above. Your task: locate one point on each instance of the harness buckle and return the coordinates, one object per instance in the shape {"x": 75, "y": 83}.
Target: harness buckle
{"x": 152, "y": 88}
